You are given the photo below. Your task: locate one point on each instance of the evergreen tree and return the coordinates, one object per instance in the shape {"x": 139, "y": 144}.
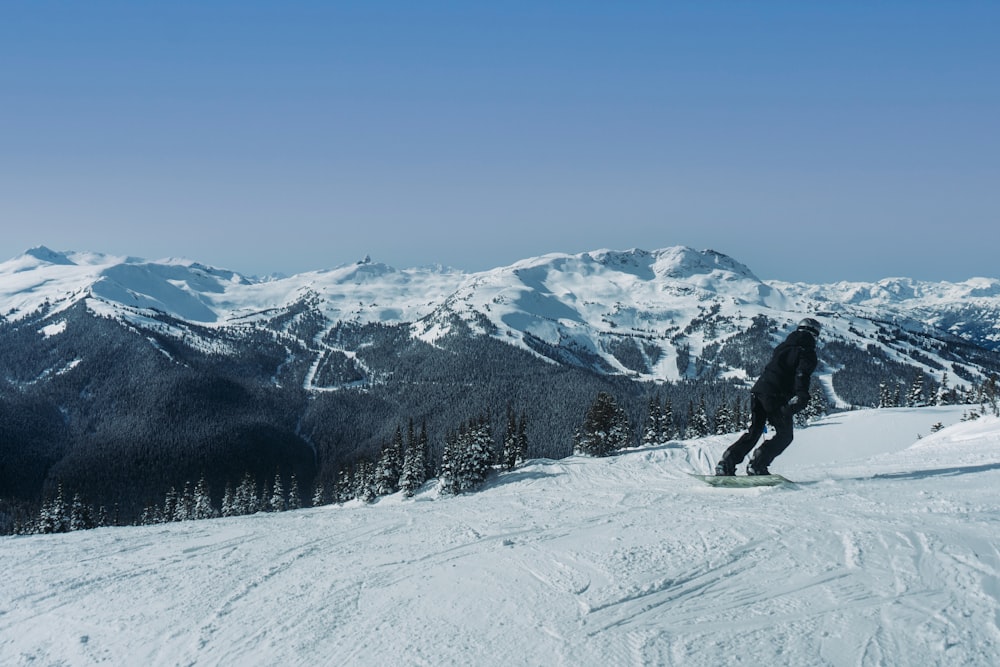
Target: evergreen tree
{"x": 319, "y": 495}
{"x": 943, "y": 396}
{"x": 667, "y": 428}
{"x": 185, "y": 504}
{"x": 246, "y": 500}
{"x": 698, "y": 426}
{"x": 522, "y": 439}
{"x": 449, "y": 464}
{"x": 411, "y": 440}
{"x": 724, "y": 421}
{"x": 389, "y": 466}
{"x": 740, "y": 418}
{"x": 364, "y": 481}
{"x": 605, "y": 428}
{"x": 294, "y": 496}
{"x": 277, "y": 502}
{"x": 229, "y": 501}
{"x": 149, "y": 516}
{"x": 652, "y": 432}
{"x": 80, "y": 516}
{"x": 468, "y": 457}
{"x": 345, "y": 489}
{"x": 991, "y": 395}
{"x": 818, "y": 404}
{"x": 915, "y": 397}
{"x": 480, "y": 454}
{"x": 684, "y": 431}
{"x": 52, "y": 517}
{"x": 202, "y": 505}
{"x": 170, "y": 506}
{"x": 414, "y": 469}
{"x": 425, "y": 446}
{"x": 509, "y": 452}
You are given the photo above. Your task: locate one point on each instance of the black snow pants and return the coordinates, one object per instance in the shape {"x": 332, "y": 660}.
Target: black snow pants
{"x": 763, "y": 408}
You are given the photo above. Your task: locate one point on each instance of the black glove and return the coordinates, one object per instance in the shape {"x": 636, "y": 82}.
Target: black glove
{"x": 795, "y": 404}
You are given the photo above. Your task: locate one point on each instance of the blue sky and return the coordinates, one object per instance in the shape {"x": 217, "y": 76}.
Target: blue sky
{"x": 812, "y": 141}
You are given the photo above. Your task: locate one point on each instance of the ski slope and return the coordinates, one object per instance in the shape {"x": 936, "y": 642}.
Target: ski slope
{"x": 887, "y": 552}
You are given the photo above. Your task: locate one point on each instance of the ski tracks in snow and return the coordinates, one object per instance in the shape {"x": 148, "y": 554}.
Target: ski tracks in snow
{"x": 618, "y": 561}
{"x": 860, "y": 586}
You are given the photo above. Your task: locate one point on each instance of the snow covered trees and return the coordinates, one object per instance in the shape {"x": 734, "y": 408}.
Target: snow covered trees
{"x": 389, "y": 466}
{"x": 53, "y": 517}
{"x": 605, "y": 428}
{"x": 816, "y": 408}
{"x": 277, "y": 502}
{"x": 202, "y": 501}
{"x": 725, "y": 422}
{"x": 58, "y": 516}
{"x": 915, "y": 397}
{"x": 698, "y": 426}
{"x": 515, "y": 441}
{"x": 659, "y": 425}
{"x": 414, "y": 461}
{"x": 468, "y": 457}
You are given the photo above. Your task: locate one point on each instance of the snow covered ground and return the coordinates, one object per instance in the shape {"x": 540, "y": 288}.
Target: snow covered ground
{"x": 887, "y": 552}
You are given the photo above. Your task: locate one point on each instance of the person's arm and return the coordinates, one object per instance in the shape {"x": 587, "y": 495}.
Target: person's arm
{"x": 804, "y": 368}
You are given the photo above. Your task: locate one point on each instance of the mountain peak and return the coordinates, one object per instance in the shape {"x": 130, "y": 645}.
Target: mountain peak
{"x": 49, "y": 256}
{"x": 685, "y": 262}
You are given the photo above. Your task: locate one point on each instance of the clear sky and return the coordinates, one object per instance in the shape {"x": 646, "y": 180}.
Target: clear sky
{"x": 813, "y": 141}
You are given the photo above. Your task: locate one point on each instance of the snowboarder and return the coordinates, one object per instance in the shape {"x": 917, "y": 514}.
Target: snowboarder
{"x": 780, "y": 392}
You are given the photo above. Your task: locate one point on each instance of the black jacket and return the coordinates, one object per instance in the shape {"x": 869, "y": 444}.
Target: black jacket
{"x": 788, "y": 372}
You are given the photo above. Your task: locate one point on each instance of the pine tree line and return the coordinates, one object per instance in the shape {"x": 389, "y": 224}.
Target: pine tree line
{"x": 403, "y": 465}
{"x": 470, "y": 454}
{"x": 987, "y": 395}
{"x": 923, "y": 391}
{"x": 59, "y": 516}
{"x": 192, "y": 503}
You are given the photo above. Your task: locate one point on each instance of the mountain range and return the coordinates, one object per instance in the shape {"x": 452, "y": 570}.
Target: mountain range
{"x": 140, "y": 374}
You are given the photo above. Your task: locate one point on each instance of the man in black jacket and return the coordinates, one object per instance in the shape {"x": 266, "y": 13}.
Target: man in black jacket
{"x": 780, "y": 392}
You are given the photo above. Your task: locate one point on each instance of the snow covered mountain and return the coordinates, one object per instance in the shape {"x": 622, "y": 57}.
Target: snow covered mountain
{"x": 632, "y": 312}
{"x": 885, "y": 553}
{"x": 122, "y": 377}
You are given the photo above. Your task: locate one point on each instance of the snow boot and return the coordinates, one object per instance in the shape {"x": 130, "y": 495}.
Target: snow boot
{"x": 725, "y": 468}
{"x": 756, "y": 468}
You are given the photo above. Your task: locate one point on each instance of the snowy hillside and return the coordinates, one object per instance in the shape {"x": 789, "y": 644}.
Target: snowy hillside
{"x": 885, "y": 553}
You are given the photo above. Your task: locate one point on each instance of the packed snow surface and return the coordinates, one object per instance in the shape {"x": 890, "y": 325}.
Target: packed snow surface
{"x": 884, "y": 553}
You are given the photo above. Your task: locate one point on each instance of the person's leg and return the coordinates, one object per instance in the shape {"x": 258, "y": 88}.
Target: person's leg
{"x": 738, "y": 451}
{"x": 771, "y": 448}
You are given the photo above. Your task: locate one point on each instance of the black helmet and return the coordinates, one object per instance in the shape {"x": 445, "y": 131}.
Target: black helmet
{"x": 811, "y": 325}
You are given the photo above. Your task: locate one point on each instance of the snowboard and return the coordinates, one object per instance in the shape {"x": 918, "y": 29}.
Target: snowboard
{"x": 742, "y": 481}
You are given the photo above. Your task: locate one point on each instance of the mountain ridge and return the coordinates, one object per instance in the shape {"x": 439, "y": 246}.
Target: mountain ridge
{"x": 121, "y": 377}
{"x": 632, "y": 312}
{"x": 210, "y": 295}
